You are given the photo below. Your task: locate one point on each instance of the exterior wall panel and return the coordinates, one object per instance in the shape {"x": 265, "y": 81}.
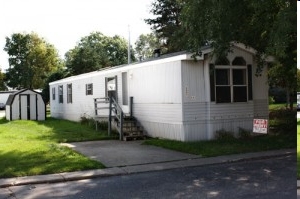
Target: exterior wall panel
{"x": 193, "y": 89}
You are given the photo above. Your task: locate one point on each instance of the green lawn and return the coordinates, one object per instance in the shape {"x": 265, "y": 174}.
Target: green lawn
{"x": 31, "y": 148}
{"x": 227, "y": 146}
{"x": 298, "y": 149}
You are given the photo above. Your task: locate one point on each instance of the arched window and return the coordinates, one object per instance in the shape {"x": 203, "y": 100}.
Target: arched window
{"x": 239, "y": 61}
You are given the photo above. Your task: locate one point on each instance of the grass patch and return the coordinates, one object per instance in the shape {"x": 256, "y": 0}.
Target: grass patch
{"x": 273, "y": 107}
{"x": 32, "y": 148}
{"x": 228, "y": 146}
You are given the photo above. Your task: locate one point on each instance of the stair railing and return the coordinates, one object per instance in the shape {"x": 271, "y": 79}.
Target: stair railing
{"x": 116, "y": 110}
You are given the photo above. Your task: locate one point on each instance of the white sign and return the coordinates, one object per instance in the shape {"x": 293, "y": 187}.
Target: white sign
{"x": 260, "y": 126}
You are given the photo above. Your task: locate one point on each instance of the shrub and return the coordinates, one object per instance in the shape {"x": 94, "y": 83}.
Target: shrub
{"x": 283, "y": 121}
{"x": 102, "y": 125}
{"x": 271, "y": 100}
{"x": 224, "y": 135}
{"x": 244, "y": 134}
{"x": 87, "y": 121}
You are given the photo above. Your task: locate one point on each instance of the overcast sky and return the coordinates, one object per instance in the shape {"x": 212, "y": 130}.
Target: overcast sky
{"x": 63, "y": 22}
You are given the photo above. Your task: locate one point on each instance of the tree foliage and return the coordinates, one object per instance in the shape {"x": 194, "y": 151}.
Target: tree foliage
{"x": 31, "y": 60}
{"x": 269, "y": 26}
{"x": 57, "y": 75}
{"x": 97, "y": 51}
{"x": 145, "y": 45}
{"x": 298, "y": 80}
{"x": 3, "y": 86}
{"x": 266, "y": 25}
{"x": 167, "y": 23}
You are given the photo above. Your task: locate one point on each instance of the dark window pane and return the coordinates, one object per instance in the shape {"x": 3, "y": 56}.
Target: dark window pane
{"x": 222, "y": 77}
{"x": 212, "y": 82}
{"x": 239, "y": 76}
{"x": 239, "y": 94}
{"x": 223, "y": 94}
{"x": 249, "y": 68}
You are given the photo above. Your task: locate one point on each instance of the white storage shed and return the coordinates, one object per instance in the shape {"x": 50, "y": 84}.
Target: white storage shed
{"x": 174, "y": 96}
{"x": 25, "y": 104}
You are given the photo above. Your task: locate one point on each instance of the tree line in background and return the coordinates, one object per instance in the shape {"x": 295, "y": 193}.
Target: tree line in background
{"x": 269, "y": 26}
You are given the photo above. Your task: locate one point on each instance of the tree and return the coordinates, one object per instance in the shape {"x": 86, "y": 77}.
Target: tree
{"x": 57, "y": 75}
{"x": 96, "y": 51}
{"x": 31, "y": 59}
{"x": 298, "y": 80}
{"x": 3, "y": 87}
{"x": 269, "y": 26}
{"x": 145, "y": 45}
{"x": 167, "y": 23}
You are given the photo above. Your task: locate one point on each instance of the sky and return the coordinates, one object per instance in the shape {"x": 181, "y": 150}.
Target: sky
{"x": 64, "y": 22}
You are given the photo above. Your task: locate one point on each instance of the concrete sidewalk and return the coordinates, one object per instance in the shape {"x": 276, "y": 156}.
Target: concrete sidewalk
{"x": 114, "y": 153}
{"x": 139, "y": 168}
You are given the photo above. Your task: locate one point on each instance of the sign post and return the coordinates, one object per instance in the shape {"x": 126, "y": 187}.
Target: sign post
{"x": 260, "y": 126}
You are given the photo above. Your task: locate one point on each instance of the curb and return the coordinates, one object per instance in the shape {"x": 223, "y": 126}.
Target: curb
{"x": 126, "y": 170}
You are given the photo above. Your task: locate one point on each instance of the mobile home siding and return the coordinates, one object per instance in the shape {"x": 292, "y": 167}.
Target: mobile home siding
{"x": 157, "y": 98}
{"x": 193, "y": 78}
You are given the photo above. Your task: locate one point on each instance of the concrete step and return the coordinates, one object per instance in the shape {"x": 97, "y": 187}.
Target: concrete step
{"x": 134, "y": 137}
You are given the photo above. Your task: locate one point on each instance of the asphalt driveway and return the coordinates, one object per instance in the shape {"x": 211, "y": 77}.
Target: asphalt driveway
{"x": 114, "y": 153}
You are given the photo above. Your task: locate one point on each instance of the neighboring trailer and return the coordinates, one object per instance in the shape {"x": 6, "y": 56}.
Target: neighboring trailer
{"x": 25, "y": 104}
{"x": 4, "y": 96}
{"x": 174, "y": 97}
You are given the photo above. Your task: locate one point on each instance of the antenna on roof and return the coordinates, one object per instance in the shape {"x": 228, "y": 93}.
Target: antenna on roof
{"x": 129, "y": 60}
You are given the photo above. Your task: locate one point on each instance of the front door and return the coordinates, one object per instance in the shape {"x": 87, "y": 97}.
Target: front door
{"x": 25, "y": 107}
{"x": 111, "y": 87}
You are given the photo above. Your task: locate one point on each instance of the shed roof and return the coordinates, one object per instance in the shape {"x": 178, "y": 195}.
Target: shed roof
{"x": 11, "y": 97}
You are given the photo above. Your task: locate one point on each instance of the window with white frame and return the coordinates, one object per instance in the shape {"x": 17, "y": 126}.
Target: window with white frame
{"x": 69, "y": 93}
{"x": 89, "y": 89}
{"x": 53, "y": 93}
{"x": 231, "y": 83}
{"x": 60, "y": 94}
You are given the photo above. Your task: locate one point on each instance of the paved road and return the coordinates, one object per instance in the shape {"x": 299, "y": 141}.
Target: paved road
{"x": 271, "y": 178}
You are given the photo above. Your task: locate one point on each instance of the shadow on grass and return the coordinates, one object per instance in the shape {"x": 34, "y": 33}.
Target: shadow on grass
{"x": 3, "y": 120}
{"x": 68, "y": 131}
{"x": 63, "y": 159}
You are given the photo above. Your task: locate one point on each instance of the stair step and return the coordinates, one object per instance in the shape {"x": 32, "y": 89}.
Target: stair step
{"x": 135, "y": 137}
{"x": 139, "y": 132}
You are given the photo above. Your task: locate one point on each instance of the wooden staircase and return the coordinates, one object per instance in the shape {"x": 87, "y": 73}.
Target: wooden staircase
{"x": 131, "y": 128}
{"x": 128, "y": 126}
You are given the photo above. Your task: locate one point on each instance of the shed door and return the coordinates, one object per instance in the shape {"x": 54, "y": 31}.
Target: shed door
{"x": 25, "y": 107}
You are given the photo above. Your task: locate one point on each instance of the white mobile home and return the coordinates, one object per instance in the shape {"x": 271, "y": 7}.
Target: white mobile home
{"x": 4, "y": 96}
{"x": 174, "y": 97}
